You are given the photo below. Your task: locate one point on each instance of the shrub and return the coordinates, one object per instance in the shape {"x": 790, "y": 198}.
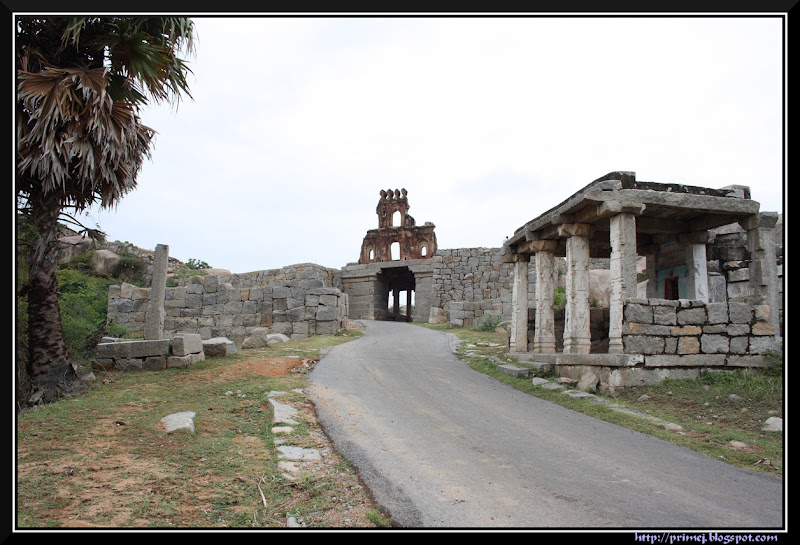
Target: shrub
{"x": 195, "y": 264}
{"x": 560, "y": 297}
{"x": 488, "y": 323}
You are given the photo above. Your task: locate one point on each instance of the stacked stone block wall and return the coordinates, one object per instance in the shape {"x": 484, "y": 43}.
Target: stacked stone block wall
{"x": 297, "y": 301}
{"x": 469, "y": 283}
{"x": 695, "y": 333}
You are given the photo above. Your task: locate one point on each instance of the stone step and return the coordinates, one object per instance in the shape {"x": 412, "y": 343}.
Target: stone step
{"x": 515, "y": 371}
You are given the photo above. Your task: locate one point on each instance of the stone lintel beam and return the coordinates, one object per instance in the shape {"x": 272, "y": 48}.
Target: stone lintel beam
{"x": 612, "y": 208}
{"x": 764, "y": 220}
{"x": 697, "y": 237}
{"x": 670, "y": 199}
{"x": 575, "y": 229}
{"x": 533, "y": 246}
{"x": 543, "y": 246}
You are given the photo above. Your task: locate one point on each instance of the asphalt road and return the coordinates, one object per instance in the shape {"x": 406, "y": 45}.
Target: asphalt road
{"x": 441, "y": 445}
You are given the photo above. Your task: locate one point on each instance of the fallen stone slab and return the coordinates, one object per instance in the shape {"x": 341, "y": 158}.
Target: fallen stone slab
{"x": 514, "y": 371}
{"x": 282, "y": 413}
{"x": 552, "y": 386}
{"x": 218, "y": 347}
{"x": 183, "y": 421}
{"x": 299, "y": 453}
{"x": 184, "y": 344}
{"x": 133, "y": 349}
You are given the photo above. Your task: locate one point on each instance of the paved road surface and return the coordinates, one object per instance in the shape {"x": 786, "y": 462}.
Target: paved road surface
{"x": 441, "y": 445}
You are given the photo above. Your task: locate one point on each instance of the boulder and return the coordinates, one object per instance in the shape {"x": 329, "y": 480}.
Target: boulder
{"x": 257, "y": 338}
{"x": 273, "y": 338}
{"x": 105, "y": 262}
{"x": 588, "y": 381}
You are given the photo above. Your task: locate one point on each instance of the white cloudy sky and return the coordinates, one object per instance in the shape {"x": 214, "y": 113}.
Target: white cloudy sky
{"x": 297, "y": 124}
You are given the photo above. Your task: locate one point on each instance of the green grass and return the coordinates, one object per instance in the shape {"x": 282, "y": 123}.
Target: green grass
{"x": 101, "y": 458}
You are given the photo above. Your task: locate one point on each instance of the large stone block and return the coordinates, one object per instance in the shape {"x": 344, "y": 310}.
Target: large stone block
{"x": 218, "y": 346}
{"x": 692, "y": 316}
{"x": 184, "y": 344}
{"x": 642, "y": 344}
{"x": 133, "y": 349}
{"x": 714, "y": 344}
{"x": 642, "y": 314}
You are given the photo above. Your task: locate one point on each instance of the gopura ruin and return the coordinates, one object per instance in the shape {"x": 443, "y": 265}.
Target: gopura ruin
{"x": 659, "y": 279}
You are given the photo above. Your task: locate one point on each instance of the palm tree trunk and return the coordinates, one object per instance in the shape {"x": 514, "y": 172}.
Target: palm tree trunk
{"x": 48, "y": 364}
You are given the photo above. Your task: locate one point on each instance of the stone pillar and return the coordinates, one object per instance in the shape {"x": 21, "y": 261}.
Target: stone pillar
{"x": 423, "y": 293}
{"x": 577, "y": 335}
{"x": 696, "y": 263}
{"x": 396, "y": 299}
{"x": 623, "y": 275}
{"x": 544, "y": 338}
{"x": 408, "y": 305}
{"x": 154, "y": 319}
{"x": 519, "y": 305}
{"x": 652, "y": 277}
{"x": 763, "y": 263}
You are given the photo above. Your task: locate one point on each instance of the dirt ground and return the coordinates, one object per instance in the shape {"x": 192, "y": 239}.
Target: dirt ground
{"x": 113, "y": 479}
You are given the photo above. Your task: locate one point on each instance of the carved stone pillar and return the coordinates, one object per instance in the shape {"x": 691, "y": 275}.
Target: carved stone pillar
{"x": 519, "y": 305}
{"x": 577, "y": 335}
{"x": 623, "y": 275}
{"x": 544, "y": 338}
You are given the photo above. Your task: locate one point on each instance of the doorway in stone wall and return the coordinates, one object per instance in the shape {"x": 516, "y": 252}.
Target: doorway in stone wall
{"x": 399, "y": 296}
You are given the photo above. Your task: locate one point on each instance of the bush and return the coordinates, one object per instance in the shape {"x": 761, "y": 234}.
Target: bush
{"x": 488, "y": 323}
{"x": 83, "y": 299}
{"x": 196, "y": 264}
{"x": 559, "y": 297}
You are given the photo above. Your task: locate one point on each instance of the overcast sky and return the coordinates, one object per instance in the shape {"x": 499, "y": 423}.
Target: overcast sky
{"x": 297, "y": 124}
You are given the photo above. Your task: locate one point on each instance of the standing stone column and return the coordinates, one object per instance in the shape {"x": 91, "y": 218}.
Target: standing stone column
{"x": 696, "y": 263}
{"x": 544, "y": 338}
{"x": 408, "y": 305}
{"x": 519, "y": 305}
{"x": 154, "y": 319}
{"x": 623, "y": 275}
{"x": 652, "y": 276}
{"x": 763, "y": 264}
{"x": 577, "y": 335}
{"x": 396, "y": 304}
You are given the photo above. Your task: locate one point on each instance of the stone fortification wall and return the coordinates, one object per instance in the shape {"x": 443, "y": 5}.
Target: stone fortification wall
{"x": 695, "y": 333}
{"x": 469, "y": 283}
{"x": 297, "y": 301}
{"x": 304, "y": 276}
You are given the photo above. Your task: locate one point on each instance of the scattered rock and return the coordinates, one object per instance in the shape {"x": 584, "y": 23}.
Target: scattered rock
{"x": 282, "y": 413}
{"x": 183, "y": 421}
{"x": 773, "y": 423}
{"x": 588, "y": 381}
{"x": 256, "y": 338}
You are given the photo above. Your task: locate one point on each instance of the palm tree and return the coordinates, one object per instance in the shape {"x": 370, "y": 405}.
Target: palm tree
{"x": 81, "y": 83}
